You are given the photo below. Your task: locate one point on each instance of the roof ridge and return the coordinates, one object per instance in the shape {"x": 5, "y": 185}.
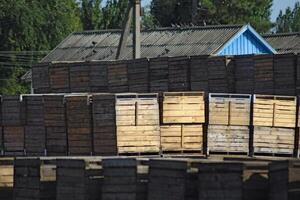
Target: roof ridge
{"x": 281, "y": 34}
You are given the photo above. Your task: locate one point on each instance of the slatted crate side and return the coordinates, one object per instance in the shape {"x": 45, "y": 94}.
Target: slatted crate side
{"x": 13, "y": 111}
{"x": 244, "y": 74}
{"x": 158, "y": 73}
{"x": 6, "y": 179}
{"x": 263, "y": 110}
{"x": 147, "y": 110}
{"x": 217, "y": 74}
{"x": 117, "y": 76}
{"x": 40, "y": 77}
{"x": 199, "y": 73}
{"x": 170, "y": 136}
{"x": 59, "y": 78}
{"x": 35, "y": 140}
{"x": 297, "y": 74}
{"x": 228, "y": 139}
{"x": 268, "y": 140}
{"x": 79, "y": 77}
{"x": 178, "y": 74}
{"x": 1, "y": 141}
{"x": 126, "y": 110}
{"x": 264, "y": 77}
{"x": 14, "y": 140}
{"x": 138, "y": 139}
{"x": 34, "y": 105}
{"x": 98, "y": 77}
{"x": 218, "y": 111}
{"x": 138, "y": 75}
{"x": 187, "y": 107}
{"x": 120, "y": 179}
{"x": 105, "y": 141}
{"x": 240, "y": 106}
{"x": 192, "y": 137}
{"x": 285, "y": 112}
{"x": 54, "y": 110}
{"x": 213, "y": 176}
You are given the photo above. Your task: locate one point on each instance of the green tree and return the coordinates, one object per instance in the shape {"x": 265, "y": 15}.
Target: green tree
{"x": 114, "y": 13}
{"x": 91, "y": 14}
{"x": 289, "y": 21}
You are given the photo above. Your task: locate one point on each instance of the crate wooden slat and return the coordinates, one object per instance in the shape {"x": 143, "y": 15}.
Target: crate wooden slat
{"x": 98, "y": 77}
{"x": 170, "y": 136}
{"x": 228, "y": 139}
{"x": 6, "y": 179}
{"x": 186, "y": 107}
{"x": 79, "y": 77}
{"x": 284, "y": 180}
{"x": 264, "y": 76}
{"x": 126, "y": 110}
{"x": 40, "y": 78}
{"x": 59, "y": 78}
{"x": 138, "y": 75}
{"x": 199, "y": 73}
{"x": 147, "y": 110}
{"x": 117, "y": 76}
{"x": 158, "y": 73}
{"x": 120, "y": 179}
{"x": 217, "y": 74}
{"x": 13, "y": 140}
{"x": 104, "y": 122}
{"x": 35, "y": 140}
{"x": 13, "y": 111}
{"x": 244, "y": 74}
{"x": 79, "y": 124}
{"x": 34, "y": 105}
{"x": 178, "y": 74}
{"x": 271, "y": 140}
{"x": 167, "y": 179}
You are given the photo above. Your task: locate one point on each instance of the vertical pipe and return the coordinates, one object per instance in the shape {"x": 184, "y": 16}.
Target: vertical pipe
{"x": 137, "y": 30}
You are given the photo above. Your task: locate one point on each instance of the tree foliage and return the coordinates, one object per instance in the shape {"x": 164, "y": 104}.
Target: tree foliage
{"x": 289, "y": 21}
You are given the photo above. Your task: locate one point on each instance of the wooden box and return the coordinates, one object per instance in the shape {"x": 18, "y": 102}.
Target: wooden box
{"x": 274, "y": 111}
{"x": 284, "y": 178}
{"x": 158, "y": 74}
{"x": 263, "y": 76}
{"x": 199, "y": 73}
{"x": 79, "y": 124}
{"x": 138, "y": 75}
{"x": 40, "y": 77}
{"x": 13, "y": 140}
{"x": 179, "y": 74}
{"x": 34, "y": 105}
{"x": 186, "y": 107}
{"x": 120, "y": 179}
{"x": 79, "y": 77}
{"x": 167, "y": 179}
{"x": 104, "y": 124}
{"x": 217, "y": 74}
{"x": 228, "y": 139}
{"x": 98, "y": 77}
{"x": 272, "y": 140}
{"x": 117, "y": 76}
{"x": 13, "y": 111}
{"x": 181, "y": 137}
{"x": 59, "y": 78}
{"x": 35, "y": 140}
{"x": 1, "y": 141}
{"x": 229, "y": 109}
{"x": 244, "y": 74}
{"x": 126, "y": 110}
{"x": 6, "y": 179}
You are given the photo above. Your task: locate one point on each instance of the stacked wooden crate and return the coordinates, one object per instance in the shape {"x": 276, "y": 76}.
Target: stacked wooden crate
{"x": 264, "y": 76}
{"x": 40, "y": 78}
{"x": 59, "y": 78}
{"x": 138, "y": 75}
{"x": 158, "y": 73}
{"x": 55, "y": 124}
{"x": 167, "y": 179}
{"x": 244, "y": 74}
{"x": 79, "y": 77}
{"x": 6, "y": 179}
{"x": 217, "y": 74}
{"x": 1, "y": 130}
{"x": 120, "y": 179}
{"x": 117, "y": 72}
{"x": 297, "y": 74}
{"x": 274, "y": 120}
{"x": 48, "y": 179}
{"x": 79, "y": 124}
{"x": 183, "y": 116}
{"x": 98, "y": 77}
{"x": 284, "y": 180}
{"x": 229, "y": 121}
{"x": 284, "y": 74}
{"x": 137, "y": 120}
{"x": 199, "y": 73}
{"x": 178, "y": 74}
{"x": 142, "y": 178}
{"x": 104, "y": 124}
{"x": 13, "y": 125}
{"x": 35, "y": 132}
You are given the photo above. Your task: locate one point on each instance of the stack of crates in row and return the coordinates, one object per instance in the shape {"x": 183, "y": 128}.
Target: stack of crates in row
{"x": 137, "y": 122}
{"x": 229, "y": 121}
{"x": 274, "y": 121}
{"x": 183, "y": 116}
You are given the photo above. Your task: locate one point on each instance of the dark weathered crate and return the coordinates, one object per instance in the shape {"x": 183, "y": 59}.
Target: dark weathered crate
{"x": 79, "y": 124}
{"x": 13, "y": 140}
{"x": 199, "y": 73}
{"x": 98, "y": 77}
{"x": 13, "y": 111}
{"x": 55, "y": 123}
{"x": 297, "y": 74}
{"x": 40, "y": 78}
{"x": 120, "y": 179}
{"x": 217, "y": 74}
{"x": 35, "y": 140}
{"x": 6, "y": 179}
{"x": 167, "y": 179}
{"x": 34, "y": 105}
{"x": 117, "y": 76}
{"x": 79, "y": 77}
{"x": 158, "y": 73}
{"x": 138, "y": 75}
{"x": 59, "y": 77}
{"x": 244, "y": 74}
{"x": 179, "y": 74}
{"x": 284, "y": 181}
{"x": 104, "y": 124}
{"x": 264, "y": 76}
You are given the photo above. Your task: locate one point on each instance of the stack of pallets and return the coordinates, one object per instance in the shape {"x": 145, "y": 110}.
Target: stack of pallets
{"x": 183, "y": 118}
{"x": 117, "y": 73}
{"x": 120, "y": 179}
{"x": 13, "y": 122}
{"x": 79, "y": 124}
{"x": 158, "y": 74}
{"x": 179, "y": 74}
{"x": 98, "y": 77}
{"x": 137, "y": 119}
{"x": 138, "y": 75}
{"x": 40, "y": 77}
{"x": 284, "y": 70}
{"x": 264, "y": 76}
{"x": 59, "y": 78}
{"x": 284, "y": 180}
{"x": 229, "y": 121}
{"x": 79, "y": 77}
{"x": 35, "y": 132}
{"x": 274, "y": 120}
{"x": 167, "y": 179}
{"x": 104, "y": 124}
{"x": 6, "y": 179}
{"x": 244, "y": 74}
{"x": 55, "y": 123}
{"x": 199, "y": 73}
{"x": 217, "y": 74}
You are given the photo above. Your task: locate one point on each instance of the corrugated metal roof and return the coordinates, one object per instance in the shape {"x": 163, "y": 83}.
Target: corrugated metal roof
{"x": 102, "y": 45}
{"x": 284, "y": 42}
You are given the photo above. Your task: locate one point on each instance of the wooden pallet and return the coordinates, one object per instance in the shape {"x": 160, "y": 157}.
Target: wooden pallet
{"x": 277, "y": 111}
{"x": 181, "y": 138}
{"x": 228, "y": 139}
{"x": 270, "y": 140}
{"x": 229, "y": 109}
{"x": 183, "y": 107}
